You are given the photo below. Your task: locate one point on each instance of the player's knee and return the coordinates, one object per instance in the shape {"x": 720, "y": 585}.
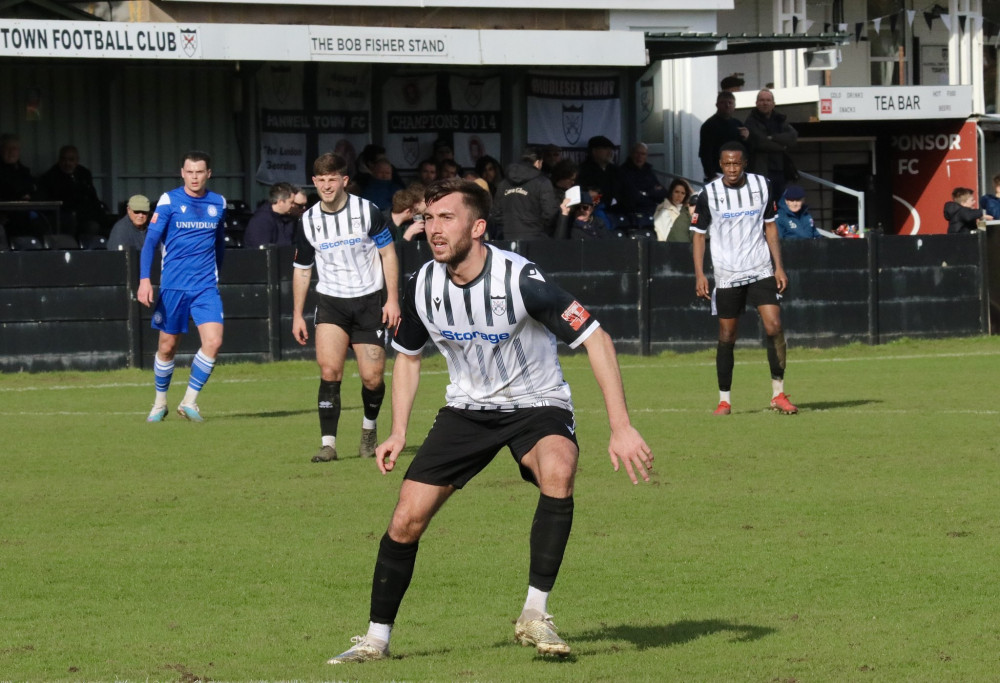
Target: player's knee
{"x": 211, "y": 345}
{"x": 405, "y": 528}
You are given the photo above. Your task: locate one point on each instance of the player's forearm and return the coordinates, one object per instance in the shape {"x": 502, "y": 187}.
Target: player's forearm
{"x": 390, "y": 271}
{"x": 405, "y": 380}
{"x": 300, "y": 288}
{"x": 773, "y": 244}
{"x": 604, "y": 363}
{"x": 698, "y": 253}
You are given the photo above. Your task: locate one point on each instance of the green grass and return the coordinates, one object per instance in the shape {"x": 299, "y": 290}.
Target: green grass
{"x": 854, "y": 541}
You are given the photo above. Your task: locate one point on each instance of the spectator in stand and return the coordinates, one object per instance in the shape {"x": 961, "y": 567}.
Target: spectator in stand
{"x": 641, "y": 191}
{"x": 732, "y": 83}
{"x": 598, "y": 171}
{"x": 406, "y": 213}
{"x": 300, "y": 203}
{"x": 670, "y": 211}
{"x": 720, "y": 128}
{"x": 442, "y": 151}
{"x": 680, "y": 231}
{"x": 129, "y": 232}
{"x": 962, "y": 213}
{"x": 770, "y": 138}
{"x": 564, "y": 176}
{"x": 448, "y": 168}
{"x": 82, "y": 213}
{"x": 16, "y": 185}
{"x": 990, "y": 203}
{"x": 381, "y": 186}
{"x": 427, "y": 172}
{"x": 793, "y": 219}
{"x": 489, "y": 169}
{"x": 551, "y": 155}
{"x": 273, "y": 223}
{"x": 579, "y": 222}
{"x": 525, "y": 206}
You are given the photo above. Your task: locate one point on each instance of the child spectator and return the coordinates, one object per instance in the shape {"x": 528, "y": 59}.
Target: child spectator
{"x": 961, "y": 211}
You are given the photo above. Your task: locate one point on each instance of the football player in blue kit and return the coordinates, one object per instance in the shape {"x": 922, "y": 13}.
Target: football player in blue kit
{"x": 190, "y": 223}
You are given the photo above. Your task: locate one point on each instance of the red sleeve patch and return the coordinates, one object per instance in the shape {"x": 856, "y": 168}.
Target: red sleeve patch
{"x": 576, "y": 315}
{"x": 156, "y": 217}
{"x": 694, "y": 219}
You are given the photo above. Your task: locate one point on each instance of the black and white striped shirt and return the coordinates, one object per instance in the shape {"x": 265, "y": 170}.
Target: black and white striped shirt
{"x": 347, "y": 244}
{"x": 498, "y": 333}
{"x": 734, "y": 217}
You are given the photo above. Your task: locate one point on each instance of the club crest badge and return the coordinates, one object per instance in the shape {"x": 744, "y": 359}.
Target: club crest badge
{"x": 572, "y": 120}
{"x": 499, "y": 305}
{"x": 411, "y": 151}
{"x": 189, "y": 41}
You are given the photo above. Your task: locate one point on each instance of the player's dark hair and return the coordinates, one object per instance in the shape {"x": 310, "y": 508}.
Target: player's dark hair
{"x": 475, "y": 198}
{"x": 330, "y": 164}
{"x": 733, "y": 147}
{"x": 197, "y": 155}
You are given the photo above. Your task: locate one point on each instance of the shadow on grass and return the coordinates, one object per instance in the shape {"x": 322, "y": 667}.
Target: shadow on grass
{"x": 270, "y": 414}
{"x": 678, "y": 633}
{"x": 834, "y": 405}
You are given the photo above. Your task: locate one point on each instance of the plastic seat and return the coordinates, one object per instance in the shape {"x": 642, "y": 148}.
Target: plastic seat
{"x": 234, "y": 240}
{"x": 94, "y": 242}
{"x": 26, "y": 243}
{"x": 60, "y": 241}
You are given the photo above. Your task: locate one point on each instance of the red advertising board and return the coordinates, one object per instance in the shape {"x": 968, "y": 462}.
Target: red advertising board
{"x": 928, "y": 160}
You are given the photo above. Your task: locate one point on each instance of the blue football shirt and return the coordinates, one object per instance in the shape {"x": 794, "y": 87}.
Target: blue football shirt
{"x": 192, "y": 230}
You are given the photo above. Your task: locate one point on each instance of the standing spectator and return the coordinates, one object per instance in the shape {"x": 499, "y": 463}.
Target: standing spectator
{"x": 73, "y": 184}
{"x": 489, "y": 170}
{"x": 793, "y": 219}
{"x": 506, "y": 390}
{"x": 718, "y": 129}
{"x": 598, "y": 171}
{"x": 273, "y": 223}
{"x": 771, "y": 136}
{"x": 564, "y": 176}
{"x": 406, "y": 213}
{"x": 358, "y": 297}
{"x": 129, "y": 232}
{"x": 381, "y": 186}
{"x": 672, "y": 208}
{"x": 991, "y": 202}
{"x": 961, "y": 211}
{"x": 16, "y": 185}
{"x": 190, "y": 222}
{"x": 300, "y": 202}
{"x": 525, "y": 205}
{"x": 641, "y": 191}
{"x": 427, "y": 172}
{"x": 551, "y": 155}
{"x": 746, "y": 257}
{"x": 448, "y": 168}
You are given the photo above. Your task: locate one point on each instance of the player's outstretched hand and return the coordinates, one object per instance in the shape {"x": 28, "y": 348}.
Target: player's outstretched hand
{"x": 629, "y": 448}
{"x": 390, "y": 315}
{"x": 387, "y": 452}
{"x": 299, "y": 330}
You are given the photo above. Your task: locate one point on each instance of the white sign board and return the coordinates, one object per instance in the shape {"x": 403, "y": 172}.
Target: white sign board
{"x": 895, "y": 103}
{"x": 297, "y": 43}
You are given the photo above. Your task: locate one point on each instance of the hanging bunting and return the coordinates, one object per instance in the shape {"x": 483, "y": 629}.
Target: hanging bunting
{"x": 961, "y": 23}
{"x": 877, "y": 23}
{"x": 892, "y": 22}
{"x": 929, "y": 18}
{"x": 910, "y": 14}
{"x": 827, "y": 26}
{"x": 858, "y": 28}
{"x": 842, "y": 28}
{"x": 795, "y": 24}
{"x": 946, "y": 19}
{"x": 809, "y": 25}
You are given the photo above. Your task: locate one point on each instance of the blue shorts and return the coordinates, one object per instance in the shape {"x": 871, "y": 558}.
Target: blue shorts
{"x": 175, "y": 306}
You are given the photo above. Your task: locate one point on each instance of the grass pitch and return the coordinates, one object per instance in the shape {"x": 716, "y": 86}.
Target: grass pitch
{"x": 854, "y": 541}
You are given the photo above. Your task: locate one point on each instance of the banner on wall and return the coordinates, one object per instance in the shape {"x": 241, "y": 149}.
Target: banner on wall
{"x": 569, "y": 110}
{"x": 302, "y": 116}
{"x": 465, "y": 111}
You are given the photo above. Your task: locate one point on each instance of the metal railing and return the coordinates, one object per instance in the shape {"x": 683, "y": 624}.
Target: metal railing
{"x": 860, "y": 196}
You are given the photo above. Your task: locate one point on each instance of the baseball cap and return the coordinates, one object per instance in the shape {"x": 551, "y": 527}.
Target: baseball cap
{"x": 138, "y": 202}
{"x": 794, "y": 192}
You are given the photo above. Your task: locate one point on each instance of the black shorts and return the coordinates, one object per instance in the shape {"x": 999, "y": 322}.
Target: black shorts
{"x": 462, "y": 443}
{"x": 360, "y": 317}
{"x": 731, "y": 302}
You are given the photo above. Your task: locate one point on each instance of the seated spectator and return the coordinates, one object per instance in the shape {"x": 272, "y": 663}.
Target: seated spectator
{"x": 525, "y": 206}
{"x": 598, "y": 171}
{"x": 961, "y": 211}
{"x": 427, "y": 172}
{"x": 680, "y": 231}
{"x": 442, "y": 151}
{"x": 641, "y": 191}
{"x": 129, "y": 231}
{"x": 16, "y": 185}
{"x": 793, "y": 219}
{"x": 579, "y": 222}
{"x": 273, "y": 223}
{"x": 551, "y": 155}
{"x": 406, "y": 213}
{"x": 564, "y": 175}
{"x": 990, "y": 203}
{"x": 448, "y": 168}
{"x": 668, "y": 212}
{"x": 71, "y": 183}
{"x": 381, "y": 186}
{"x": 489, "y": 170}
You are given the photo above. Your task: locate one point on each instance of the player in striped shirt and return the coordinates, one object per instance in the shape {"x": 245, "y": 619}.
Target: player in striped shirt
{"x": 496, "y": 318}
{"x": 737, "y": 211}
{"x": 350, "y": 243}
{"x": 190, "y": 222}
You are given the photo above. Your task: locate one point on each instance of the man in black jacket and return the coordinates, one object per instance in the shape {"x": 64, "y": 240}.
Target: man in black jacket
{"x": 771, "y": 136}
{"x": 525, "y": 205}
{"x": 718, "y": 129}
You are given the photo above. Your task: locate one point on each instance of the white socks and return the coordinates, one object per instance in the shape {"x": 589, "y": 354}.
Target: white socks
{"x": 777, "y": 387}
{"x": 537, "y": 600}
